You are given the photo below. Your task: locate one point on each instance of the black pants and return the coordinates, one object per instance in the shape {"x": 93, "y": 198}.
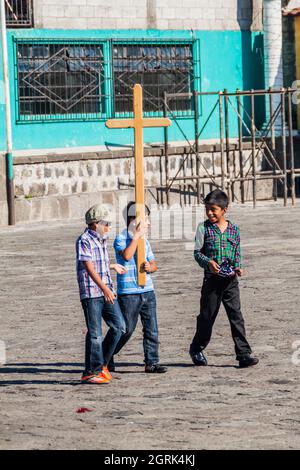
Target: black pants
{"x": 217, "y": 289}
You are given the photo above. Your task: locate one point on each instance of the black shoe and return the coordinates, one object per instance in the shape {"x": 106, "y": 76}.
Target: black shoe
{"x": 199, "y": 359}
{"x": 155, "y": 369}
{"x": 248, "y": 361}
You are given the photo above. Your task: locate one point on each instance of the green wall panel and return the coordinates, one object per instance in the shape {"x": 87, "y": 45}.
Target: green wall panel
{"x": 227, "y": 59}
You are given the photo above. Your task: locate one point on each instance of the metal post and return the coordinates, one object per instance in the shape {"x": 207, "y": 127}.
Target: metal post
{"x": 222, "y": 139}
{"x": 9, "y": 157}
{"x": 227, "y": 144}
{"x": 291, "y": 144}
{"x": 273, "y": 141}
{"x": 240, "y": 130}
{"x": 184, "y": 174}
{"x": 197, "y": 144}
{"x": 283, "y": 144}
{"x": 166, "y": 135}
{"x": 254, "y": 186}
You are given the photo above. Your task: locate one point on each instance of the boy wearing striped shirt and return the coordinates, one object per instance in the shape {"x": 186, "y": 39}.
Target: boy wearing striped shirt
{"x": 217, "y": 250}
{"x": 135, "y": 300}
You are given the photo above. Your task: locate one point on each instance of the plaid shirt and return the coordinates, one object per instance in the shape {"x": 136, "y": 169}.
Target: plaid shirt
{"x": 211, "y": 243}
{"x": 90, "y": 247}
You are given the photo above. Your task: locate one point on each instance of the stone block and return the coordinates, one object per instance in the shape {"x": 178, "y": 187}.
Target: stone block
{"x": 2, "y": 178}
{"x": 99, "y": 168}
{"x": 47, "y": 172}
{"x": 26, "y": 172}
{"x": 3, "y": 213}
{"x": 71, "y": 172}
{"x": 19, "y": 190}
{"x": 74, "y": 187}
{"x": 63, "y": 208}
{"x": 36, "y": 208}
{"x": 37, "y": 189}
{"x": 108, "y": 198}
{"x": 59, "y": 171}
{"x": 23, "y": 210}
{"x": 52, "y": 189}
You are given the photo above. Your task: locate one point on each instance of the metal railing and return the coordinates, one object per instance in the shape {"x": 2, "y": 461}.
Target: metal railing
{"x": 273, "y": 144}
{"x": 19, "y": 13}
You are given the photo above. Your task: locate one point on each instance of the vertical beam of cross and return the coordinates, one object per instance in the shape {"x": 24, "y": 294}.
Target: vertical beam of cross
{"x": 138, "y": 123}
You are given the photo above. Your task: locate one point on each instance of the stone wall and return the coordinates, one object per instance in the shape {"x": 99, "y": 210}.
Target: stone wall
{"x": 148, "y": 14}
{"x": 62, "y": 187}
{"x": 89, "y": 173}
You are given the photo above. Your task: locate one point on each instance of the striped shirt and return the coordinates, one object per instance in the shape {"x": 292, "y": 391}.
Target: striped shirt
{"x": 212, "y": 244}
{"x": 90, "y": 247}
{"x": 127, "y": 283}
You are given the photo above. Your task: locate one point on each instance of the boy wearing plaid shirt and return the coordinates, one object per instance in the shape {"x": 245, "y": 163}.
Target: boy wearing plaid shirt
{"x": 217, "y": 250}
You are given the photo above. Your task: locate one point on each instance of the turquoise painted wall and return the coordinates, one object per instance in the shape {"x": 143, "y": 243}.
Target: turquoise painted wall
{"x": 228, "y": 59}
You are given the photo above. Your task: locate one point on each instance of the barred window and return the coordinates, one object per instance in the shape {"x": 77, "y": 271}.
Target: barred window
{"x": 60, "y": 81}
{"x": 18, "y": 13}
{"x": 158, "y": 68}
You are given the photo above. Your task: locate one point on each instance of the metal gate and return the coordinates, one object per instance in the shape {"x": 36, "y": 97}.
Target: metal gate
{"x": 273, "y": 142}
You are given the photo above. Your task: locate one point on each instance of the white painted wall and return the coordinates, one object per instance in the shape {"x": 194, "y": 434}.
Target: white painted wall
{"x": 272, "y": 22}
{"x": 145, "y": 14}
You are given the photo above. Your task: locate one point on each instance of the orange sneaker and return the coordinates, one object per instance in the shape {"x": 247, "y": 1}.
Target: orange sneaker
{"x": 106, "y": 373}
{"x": 95, "y": 379}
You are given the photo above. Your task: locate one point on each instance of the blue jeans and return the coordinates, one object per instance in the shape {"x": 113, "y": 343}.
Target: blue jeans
{"x": 133, "y": 305}
{"x": 97, "y": 352}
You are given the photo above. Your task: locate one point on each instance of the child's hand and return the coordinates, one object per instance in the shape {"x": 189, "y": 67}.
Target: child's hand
{"x": 119, "y": 268}
{"x": 140, "y": 230}
{"x": 239, "y": 271}
{"x": 109, "y": 295}
{"x": 146, "y": 267}
{"x": 213, "y": 266}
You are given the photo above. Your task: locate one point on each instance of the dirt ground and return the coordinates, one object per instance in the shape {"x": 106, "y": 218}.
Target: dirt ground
{"x": 217, "y": 407}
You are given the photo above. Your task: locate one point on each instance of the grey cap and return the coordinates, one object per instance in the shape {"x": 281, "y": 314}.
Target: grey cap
{"x": 96, "y": 213}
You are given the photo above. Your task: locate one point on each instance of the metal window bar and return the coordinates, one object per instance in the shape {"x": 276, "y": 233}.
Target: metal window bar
{"x": 60, "y": 80}
{"x": 19, "y": 13}
{"x": 67, "y": 80}
{"x": 160, "y": 69}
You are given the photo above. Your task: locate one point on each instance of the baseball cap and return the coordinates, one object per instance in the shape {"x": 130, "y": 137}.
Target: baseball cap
{"x": 96, "y": 213}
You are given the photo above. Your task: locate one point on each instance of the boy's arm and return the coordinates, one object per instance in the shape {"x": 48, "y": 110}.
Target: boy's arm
{"x": 150, "y": 265}
{"x": 108, "y": 294}
{"x": 238, "y": 253}
{"x": 201, "y": 259}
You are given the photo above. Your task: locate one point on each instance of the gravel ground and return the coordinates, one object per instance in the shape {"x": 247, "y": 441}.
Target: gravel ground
{"x": 217, "y": 407}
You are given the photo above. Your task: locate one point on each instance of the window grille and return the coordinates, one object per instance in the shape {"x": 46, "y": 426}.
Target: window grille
{"x": 18, "y": 13}
{"x": 60, "y": 81}
{"x": 71, "y": 80}
{"x": 158, "y": 68}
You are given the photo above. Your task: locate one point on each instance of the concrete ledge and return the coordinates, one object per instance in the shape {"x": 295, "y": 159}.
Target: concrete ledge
{"x": 116, "y": 154}
{"x": 59, "y": 207}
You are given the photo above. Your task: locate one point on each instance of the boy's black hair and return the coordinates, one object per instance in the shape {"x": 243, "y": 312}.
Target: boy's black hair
{"x": 218, "y": 198}
{"x": 131, "y": 214}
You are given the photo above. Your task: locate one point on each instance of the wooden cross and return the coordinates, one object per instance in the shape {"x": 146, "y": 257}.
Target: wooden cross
{"x": 138, "y": 123}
